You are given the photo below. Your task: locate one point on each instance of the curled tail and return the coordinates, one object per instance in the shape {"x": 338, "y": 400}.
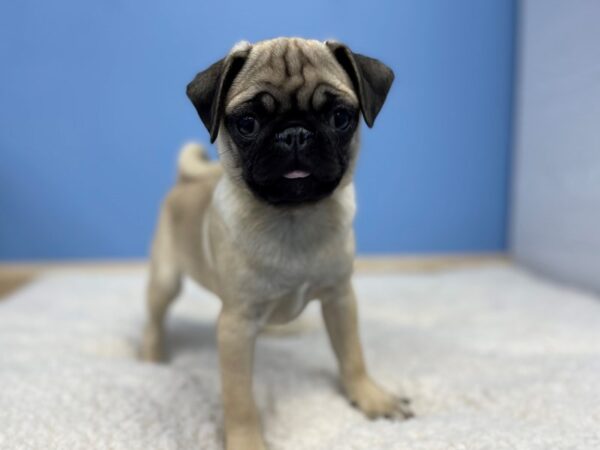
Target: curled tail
{"x": 194, "y": 163}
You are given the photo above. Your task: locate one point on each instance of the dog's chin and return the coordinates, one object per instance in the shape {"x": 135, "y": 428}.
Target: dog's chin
{"x": 286, "y": 191}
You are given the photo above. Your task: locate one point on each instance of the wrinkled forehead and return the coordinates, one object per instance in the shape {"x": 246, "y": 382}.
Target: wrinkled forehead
{"x": 295, "y": 72}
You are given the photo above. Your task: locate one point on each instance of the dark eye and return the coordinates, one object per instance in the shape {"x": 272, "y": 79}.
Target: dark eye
{"x": 340, "y": 119}
{"x": 247, "y": 125}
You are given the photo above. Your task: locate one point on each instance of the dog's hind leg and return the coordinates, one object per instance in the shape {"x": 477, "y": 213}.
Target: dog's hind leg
{"x": 164, "y": 284}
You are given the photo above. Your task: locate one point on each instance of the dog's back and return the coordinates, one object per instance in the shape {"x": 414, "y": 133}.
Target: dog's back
{"x": 189, "y": 198}
{"x": 182, "y": 213}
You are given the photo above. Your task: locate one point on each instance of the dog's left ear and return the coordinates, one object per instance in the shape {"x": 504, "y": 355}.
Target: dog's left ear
{"x": 371, "y": 79}
{"x": 208, "y": 89}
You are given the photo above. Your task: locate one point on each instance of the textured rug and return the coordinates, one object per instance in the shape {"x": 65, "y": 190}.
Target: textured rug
{"x": 492, "y": 358}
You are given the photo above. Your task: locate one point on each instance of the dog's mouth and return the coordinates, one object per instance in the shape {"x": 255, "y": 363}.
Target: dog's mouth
{"x": 289, "y": 183}
{"x": 296, "y": 174}
{"x": 293, "y": 187}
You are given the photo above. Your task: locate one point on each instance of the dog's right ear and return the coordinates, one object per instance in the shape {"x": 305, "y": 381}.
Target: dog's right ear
{"x": 208, "y": 89}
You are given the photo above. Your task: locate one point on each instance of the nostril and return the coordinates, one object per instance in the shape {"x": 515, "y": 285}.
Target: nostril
{"x": 306, "y": 136}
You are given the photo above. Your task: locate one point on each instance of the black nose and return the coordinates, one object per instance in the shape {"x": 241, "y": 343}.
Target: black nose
{"x": 294, "y": 138}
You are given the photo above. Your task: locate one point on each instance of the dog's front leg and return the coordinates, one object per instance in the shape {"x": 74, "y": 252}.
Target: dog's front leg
{"x": 236, "y": 337}
{"x": 340, "y": 315}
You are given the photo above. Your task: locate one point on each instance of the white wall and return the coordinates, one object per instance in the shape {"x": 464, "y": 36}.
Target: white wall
{"x": 556, "y": 194}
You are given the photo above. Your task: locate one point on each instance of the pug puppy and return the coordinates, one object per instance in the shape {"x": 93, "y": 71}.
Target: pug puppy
{"x": 270, "y": 227}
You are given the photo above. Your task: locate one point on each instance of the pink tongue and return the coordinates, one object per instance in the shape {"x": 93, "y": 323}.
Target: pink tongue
{"x": 296, "y": 174}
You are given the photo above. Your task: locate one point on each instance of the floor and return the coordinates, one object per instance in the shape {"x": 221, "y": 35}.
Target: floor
{"x": 490, "y": 355}
{"x": 14, "y": 276}
{"x": 11, "y": 280}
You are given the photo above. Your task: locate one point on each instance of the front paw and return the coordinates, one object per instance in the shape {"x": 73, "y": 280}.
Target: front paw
{"x": 375, "y": 402}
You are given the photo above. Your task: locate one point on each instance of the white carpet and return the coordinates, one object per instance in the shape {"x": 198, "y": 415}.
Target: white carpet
{"x": 492, "y": 358}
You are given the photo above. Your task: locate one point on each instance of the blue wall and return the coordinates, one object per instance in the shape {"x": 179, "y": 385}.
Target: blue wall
{"x": 93, "y": 111}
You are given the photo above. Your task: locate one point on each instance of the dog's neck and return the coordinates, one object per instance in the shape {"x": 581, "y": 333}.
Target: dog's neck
{"x": 251, "y": 219}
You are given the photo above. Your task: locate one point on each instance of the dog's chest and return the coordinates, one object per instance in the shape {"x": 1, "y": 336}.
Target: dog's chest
{"x": 289, "y": 286}
{"x": 279, "y": 260}
{"x": 289, "y": 306}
